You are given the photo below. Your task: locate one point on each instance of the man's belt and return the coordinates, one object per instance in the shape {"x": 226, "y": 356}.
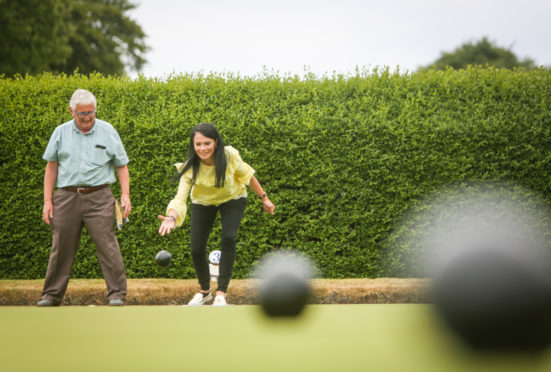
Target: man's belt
{"x": 84, "y": 190}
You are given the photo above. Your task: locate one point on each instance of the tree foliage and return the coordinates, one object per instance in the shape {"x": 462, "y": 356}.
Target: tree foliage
{"x": 482, "y": 52}
{"x": 65, "y": 35}
{"x": 33, "y": 35}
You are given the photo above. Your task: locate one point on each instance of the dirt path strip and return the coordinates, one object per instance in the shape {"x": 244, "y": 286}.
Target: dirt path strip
{"x": 84, "y": 292}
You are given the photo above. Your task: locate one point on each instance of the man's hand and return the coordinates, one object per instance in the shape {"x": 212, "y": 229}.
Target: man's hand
{"x": 48, "y": 211}
{"x": 124, "y": 180}
{"x": 126, "y": 205}
{"x": 50, "y": 176}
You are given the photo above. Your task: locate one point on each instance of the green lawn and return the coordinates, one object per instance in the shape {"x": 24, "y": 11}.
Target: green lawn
{"x": 239, "y": 338}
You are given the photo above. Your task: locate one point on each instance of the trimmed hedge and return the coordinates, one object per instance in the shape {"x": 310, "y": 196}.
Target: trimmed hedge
{"x": 342, "y": 158}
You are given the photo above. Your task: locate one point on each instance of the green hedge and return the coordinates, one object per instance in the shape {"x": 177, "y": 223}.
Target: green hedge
{"x": 342, "y": 157}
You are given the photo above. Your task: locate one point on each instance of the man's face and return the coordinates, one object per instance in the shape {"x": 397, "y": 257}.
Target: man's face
{"x": 85, "y": 116}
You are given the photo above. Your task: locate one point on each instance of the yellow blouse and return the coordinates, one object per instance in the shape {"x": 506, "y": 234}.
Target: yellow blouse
{"x": 204, "y": 191}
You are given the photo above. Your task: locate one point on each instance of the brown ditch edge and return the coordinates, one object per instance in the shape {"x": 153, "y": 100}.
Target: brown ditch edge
{"x": 85, "y": 292}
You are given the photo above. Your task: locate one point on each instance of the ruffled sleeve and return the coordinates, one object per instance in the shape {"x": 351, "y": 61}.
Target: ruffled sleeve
{"x": 180, "y": 200}
{"x": 243, "y": 172}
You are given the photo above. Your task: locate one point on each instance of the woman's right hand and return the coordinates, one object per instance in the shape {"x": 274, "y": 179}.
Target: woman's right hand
{"x": 168, "y": 224}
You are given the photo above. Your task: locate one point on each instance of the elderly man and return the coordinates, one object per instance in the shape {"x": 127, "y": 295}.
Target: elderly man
{"x": 82, "y": 155}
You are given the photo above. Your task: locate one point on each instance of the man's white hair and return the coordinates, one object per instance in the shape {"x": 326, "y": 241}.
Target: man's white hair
{"x": 82, "y": 97}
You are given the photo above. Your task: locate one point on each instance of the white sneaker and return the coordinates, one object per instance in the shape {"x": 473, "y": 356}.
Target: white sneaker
{"x": 220, "y": 300}
{"x": 199, "y": 299}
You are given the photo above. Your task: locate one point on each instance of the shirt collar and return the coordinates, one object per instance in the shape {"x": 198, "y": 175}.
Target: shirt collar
{"x": 75, "y": 127}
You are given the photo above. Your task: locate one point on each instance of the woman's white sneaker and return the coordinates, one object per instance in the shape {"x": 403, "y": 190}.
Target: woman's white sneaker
{"x": 220, "y": 300}
{"x": 200, "y": 299}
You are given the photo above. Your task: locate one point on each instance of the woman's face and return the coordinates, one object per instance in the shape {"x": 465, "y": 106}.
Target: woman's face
{"x": 204, "y": 148}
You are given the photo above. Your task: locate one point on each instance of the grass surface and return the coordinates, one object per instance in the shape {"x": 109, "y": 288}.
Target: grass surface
{"x": 392, "y": 337}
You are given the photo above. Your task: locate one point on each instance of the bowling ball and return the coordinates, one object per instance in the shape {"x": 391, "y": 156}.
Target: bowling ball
{"x": 495, "y": 300}
{"x": 163, "y": 258}
{"x": 284, "y": 288}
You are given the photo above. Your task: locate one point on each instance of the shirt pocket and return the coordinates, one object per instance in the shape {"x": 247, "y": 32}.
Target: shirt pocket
{"x": 99, "y": 155}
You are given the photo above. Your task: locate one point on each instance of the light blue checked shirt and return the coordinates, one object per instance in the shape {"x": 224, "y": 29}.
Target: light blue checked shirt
{"x": 86, "y": 159}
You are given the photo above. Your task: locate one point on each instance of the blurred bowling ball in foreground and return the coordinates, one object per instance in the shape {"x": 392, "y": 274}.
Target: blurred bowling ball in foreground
{"x": 495, "y": 300}
{"x": 284, "y": 288}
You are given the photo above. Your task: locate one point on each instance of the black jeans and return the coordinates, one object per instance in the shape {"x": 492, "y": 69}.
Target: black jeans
{"x": 202, "y": 220}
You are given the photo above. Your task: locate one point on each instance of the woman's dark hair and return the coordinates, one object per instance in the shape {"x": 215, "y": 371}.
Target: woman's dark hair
{"x": 220, "y": 161}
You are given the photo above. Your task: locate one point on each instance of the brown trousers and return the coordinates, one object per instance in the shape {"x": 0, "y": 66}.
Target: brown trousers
{"x": 72, "y": 211}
